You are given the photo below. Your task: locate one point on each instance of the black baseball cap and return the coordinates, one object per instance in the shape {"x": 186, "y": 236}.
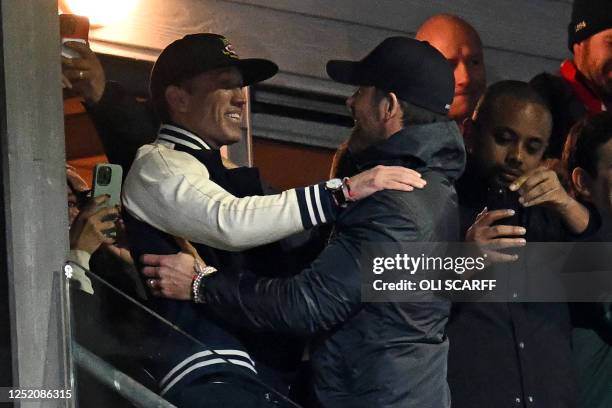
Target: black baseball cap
{"x": 414, "y": 70}
{"x": 589, "y": 17}
{"x": 195, "y": 54}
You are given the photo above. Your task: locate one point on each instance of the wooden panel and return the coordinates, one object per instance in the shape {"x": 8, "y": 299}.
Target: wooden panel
{"x": 85, "y": 165}
{"x": 300, "y": 165}
{"x": 81, "y": 137}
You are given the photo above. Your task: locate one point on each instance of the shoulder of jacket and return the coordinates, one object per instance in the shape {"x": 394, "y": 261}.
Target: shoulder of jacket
{"x": 156, "y": 157}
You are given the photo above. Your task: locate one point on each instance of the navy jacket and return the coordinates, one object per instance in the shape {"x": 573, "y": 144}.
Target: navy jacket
{"x": 367, "y": 354}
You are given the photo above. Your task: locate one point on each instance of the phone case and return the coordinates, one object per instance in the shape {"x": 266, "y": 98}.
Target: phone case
{"x": 107, "y": 180}
{"x": 73, "y": 28}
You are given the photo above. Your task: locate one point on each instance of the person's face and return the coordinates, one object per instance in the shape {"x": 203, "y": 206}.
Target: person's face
{"x": 601, "y": 186}
{"x": 73, "y": 206}
{"x": 215, "y": 105}
{"x": 593, "y": 57}
{"x": 512, "y": 141}
{"x": 464, "y": 51}
{"x": 365, "y": 108}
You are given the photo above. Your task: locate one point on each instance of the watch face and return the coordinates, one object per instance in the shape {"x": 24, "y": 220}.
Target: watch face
{"x": 333, "y": 184}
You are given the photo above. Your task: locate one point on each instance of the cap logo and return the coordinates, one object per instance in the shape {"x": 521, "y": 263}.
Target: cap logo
{"x": 228, "y": 49}
{"x": 581, "y": 25}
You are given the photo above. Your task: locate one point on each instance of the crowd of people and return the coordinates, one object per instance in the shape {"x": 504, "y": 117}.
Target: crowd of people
{"x": 430, "y": 141}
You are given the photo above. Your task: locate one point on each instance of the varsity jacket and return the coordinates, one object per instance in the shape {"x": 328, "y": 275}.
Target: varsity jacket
{"x": 172, "y": 190}
{"x": 179, "y": 187}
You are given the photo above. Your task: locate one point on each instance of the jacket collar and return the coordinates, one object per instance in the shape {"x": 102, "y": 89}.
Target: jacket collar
{"x": 438, "y": 146}
{"x": 175, "y": 134}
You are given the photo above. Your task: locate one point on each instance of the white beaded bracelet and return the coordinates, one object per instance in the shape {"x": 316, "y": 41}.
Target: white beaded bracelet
{"x": 200, "y": 272}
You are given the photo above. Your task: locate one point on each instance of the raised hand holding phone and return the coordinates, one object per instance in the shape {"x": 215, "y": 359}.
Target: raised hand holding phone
{"x": 107, "y": 182}
{"x": 73, "y": 28}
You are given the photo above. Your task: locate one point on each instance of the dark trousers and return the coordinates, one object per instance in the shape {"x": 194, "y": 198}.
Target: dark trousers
{"x": 226, "y": 391}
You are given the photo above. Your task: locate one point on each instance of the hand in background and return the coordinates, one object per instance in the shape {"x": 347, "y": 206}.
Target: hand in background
{"x": 89, "y": 230}
{"x": 83, "y": 76}
{"x": 491, "y": 238}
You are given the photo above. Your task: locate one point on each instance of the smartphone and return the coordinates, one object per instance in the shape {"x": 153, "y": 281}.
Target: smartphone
{"x": 501, "y": 198}
{"x": 73, "y": 28}
{"x": 107, "y": 180}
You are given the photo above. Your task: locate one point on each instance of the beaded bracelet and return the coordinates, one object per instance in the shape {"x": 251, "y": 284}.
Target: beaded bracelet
{"x": 200, "y": 272}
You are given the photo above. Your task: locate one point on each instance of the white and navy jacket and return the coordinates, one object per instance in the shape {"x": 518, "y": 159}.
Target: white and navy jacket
{"x": 172, "y": 190}
{"x": 178, "y": 186}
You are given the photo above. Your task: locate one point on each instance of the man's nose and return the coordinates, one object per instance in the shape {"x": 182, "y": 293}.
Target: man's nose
{"x": 238, "y": 97}
{"x": 462, "y": 75}
{"x": 515, "y": 155}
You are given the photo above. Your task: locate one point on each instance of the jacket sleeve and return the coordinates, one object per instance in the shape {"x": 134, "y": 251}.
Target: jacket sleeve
{"x": 172, "y": 191}
{"x": 79, "y": 260}
{"x": 318, "y": 298}
{"x": 123, "y": 124}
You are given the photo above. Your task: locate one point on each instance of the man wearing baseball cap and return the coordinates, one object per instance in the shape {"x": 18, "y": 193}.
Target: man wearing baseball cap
{"x": 385, "y": 354}
{"x": 584, "y": 83}
{"x": 178, "y": 191}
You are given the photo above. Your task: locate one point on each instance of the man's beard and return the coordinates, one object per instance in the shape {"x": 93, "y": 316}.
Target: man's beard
{"x": 602, "y": 83}
{"x": 358, "y": 139}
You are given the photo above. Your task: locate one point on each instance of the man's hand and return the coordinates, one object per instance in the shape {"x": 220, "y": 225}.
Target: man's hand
{"x": 541, "y": 186}
{"x": 85, "y": 75}
{"x": 87, "y": 232}
{"x": 170, "y": 276}
{"x": 491, "y": 238}
{"x": 121, "y": 247}
{"x": 384, "y": 178}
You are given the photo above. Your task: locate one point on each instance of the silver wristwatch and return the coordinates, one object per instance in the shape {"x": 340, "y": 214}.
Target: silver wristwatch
{"x": 338, "y": 190}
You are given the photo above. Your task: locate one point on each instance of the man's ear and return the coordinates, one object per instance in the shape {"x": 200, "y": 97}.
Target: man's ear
{"x": 582, "y": 182}
{"x": 177, "y": 99}
{"x": 392, "y": 106}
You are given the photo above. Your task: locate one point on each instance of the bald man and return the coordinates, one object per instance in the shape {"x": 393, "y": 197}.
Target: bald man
{"x": 459, "y": 42}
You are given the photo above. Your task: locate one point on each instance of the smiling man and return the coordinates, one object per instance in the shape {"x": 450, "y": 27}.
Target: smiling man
{"x": 460, "y": 43}
{"x": 385, "y": 354}
{"x": 583, "y": 85}
{"x": 178, "y": 190}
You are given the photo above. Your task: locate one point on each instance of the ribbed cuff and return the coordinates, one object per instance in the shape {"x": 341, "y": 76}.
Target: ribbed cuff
{"x": 316, "y": 205}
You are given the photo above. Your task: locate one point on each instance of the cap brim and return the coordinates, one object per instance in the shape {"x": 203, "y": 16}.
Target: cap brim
{"x": 345, "y": 72}
{"x": 255, "y": 70}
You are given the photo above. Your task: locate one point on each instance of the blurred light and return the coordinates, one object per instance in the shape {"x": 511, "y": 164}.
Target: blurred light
{"x": 100, "y": 12}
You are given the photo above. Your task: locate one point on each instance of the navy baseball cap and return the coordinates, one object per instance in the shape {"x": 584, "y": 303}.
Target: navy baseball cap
{"x": 414, "y": 70}
{"x": 195, "y": 54}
